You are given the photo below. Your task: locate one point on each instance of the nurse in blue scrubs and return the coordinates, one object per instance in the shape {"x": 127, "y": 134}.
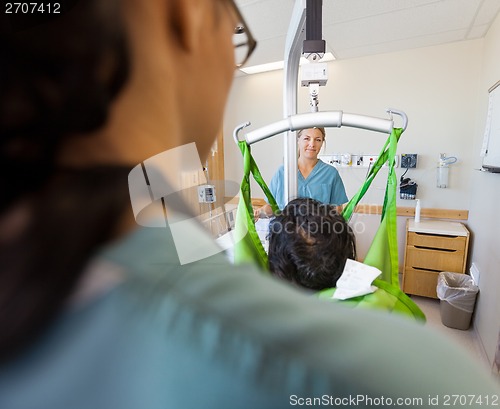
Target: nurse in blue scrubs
{"x": 316, "y": 179}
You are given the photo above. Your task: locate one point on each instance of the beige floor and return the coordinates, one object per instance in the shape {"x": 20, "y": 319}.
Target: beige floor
{"x": 468, "y": 338}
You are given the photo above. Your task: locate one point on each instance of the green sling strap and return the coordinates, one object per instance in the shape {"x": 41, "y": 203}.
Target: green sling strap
{"x": 383, "y": 252}
{"x": 250, "y": 249}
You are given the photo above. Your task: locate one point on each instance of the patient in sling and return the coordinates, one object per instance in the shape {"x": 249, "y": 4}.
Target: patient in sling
{"x": 309, "y": 243}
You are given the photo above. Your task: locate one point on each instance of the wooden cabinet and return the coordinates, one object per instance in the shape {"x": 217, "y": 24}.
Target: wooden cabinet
{"x": 432, "y": 246}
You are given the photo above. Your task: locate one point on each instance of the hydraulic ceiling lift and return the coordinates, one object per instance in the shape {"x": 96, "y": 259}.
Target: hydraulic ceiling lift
{"x": 304, "y": 37}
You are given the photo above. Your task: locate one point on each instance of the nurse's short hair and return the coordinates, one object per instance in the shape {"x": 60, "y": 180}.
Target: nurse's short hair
{"x": 309, "y": 243}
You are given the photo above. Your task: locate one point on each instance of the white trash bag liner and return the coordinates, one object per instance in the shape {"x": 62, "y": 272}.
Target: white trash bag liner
{"x": 458, "y": 290}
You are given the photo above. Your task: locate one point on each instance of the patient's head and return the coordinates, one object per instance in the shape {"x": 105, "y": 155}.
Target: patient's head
{"x": 309, "y": 243}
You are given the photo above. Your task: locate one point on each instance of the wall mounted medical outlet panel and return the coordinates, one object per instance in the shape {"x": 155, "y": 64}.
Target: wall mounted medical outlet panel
{"x": 337, "y": 159}
{"x": 206, "y": 194}
{"x": 366, "y": 161}
{"x": 409, "y": 160}
{"x": 346, "y": 160}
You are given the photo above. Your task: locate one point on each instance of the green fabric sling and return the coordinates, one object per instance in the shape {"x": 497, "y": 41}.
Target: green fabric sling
{"x": 250, "y": 249}
{"x": 383, "y": 252}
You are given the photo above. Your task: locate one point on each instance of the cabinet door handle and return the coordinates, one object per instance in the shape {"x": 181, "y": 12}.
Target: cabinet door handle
{"x": 435, "y": 249}
{"x": 426, "y": 269}
{"x": 448, "y": 236}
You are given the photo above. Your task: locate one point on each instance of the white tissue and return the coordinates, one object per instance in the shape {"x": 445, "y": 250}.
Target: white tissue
{"x": 356, "y": 280}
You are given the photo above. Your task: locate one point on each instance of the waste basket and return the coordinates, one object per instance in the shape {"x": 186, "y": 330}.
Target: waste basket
{"x": 457, "y": 293}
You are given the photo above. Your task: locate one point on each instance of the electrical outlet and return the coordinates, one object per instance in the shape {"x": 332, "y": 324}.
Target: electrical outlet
{"x": 369, "y": 160}
{"x": 333, "y": 159}
{"x": 408, "y": 160}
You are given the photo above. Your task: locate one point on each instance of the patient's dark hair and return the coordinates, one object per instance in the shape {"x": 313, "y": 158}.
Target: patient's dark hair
{"x": 58, "y": 78}
{"x": 309, "y": 243}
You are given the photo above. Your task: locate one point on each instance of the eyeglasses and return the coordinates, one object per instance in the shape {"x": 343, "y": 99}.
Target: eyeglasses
{"x": 243, "y": 41}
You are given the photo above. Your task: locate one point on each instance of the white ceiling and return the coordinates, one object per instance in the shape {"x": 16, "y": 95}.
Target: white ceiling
{"x": 355, "y": 28}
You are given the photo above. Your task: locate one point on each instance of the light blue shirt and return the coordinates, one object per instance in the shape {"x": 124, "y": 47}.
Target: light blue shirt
{"x": 323, "y": 184}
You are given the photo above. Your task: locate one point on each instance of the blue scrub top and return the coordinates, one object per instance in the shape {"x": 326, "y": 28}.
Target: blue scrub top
{"x": 323, "y": 184}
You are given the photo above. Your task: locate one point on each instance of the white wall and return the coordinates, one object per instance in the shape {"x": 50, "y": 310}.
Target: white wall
{"x": 436, "y": 86}
{"x": 483, "y": 218}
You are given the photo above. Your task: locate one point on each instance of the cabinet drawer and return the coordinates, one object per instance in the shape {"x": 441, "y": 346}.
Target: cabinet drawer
{"x": 436, "y": 241}
{"x": 420, "y": 282}
{"x": 437, "y": 260}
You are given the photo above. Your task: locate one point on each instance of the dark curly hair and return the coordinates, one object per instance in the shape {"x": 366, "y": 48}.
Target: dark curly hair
{"x": 309, "y": 243}
{"x": 57, "y": 79}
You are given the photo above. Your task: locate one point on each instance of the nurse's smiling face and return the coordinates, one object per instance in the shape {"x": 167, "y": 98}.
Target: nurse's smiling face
{"x": 310, "y": 142}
